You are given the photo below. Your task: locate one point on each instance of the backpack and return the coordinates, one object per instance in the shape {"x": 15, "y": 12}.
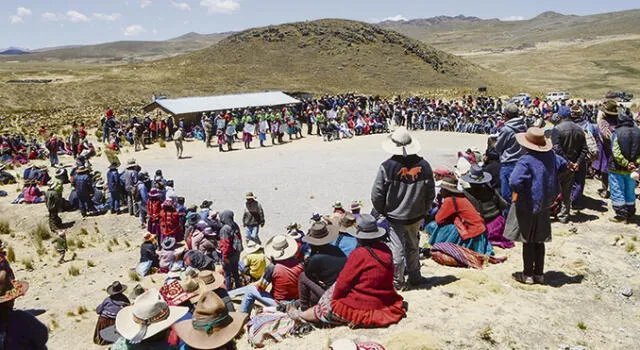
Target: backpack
{"x": 592, "y": 146}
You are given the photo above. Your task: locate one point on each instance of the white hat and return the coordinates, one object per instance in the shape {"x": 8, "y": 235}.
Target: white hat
{"x": 280, "y": 247}
{"x": 148, "y": 316}
{"x": 401, "y": 143}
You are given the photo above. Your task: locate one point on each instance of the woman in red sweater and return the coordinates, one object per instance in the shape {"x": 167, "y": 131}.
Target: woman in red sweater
{"x": 363, "y": 295}
{"x": 458, "y": 221}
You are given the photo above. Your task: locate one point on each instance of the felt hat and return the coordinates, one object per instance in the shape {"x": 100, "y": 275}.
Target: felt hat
{"x": 168, "y": 243}
{"x": 534, "y": 139}
{"x": 576, "y": 111}
{"x": 212, "y": 326}
{"x": 252, "y": 247}
{"x": 116, "y": 288}
{"x": 280, "y": 247}
{"x": 148, "y": 316}
{"x": 174, "y": 272}
{"x": 511, "y": 110}
{"x": 82, "y": 170}
{"x": 174, "y": 294}
{"x": 114, "y": 165}
{"x": 210, "y": 280}
{"x": 11, "y": 290}
{"x": 356, "y": 205}
{"x": 2, "y": 166}
{"x": 367, "y": 228}
{"x": 189, "y": 272}
{"x": 206, "y": 204}
{"x": 401, "y": 143}
{"x": 131, "y": 163}
{"x": 149, "y": 237}
{"x": 59, "y": 172}
{"x": 191, "y": 286}
{"x": 477, "y": 176}
{"x": 250, "y": 195}
{"x": 450, "y": 184}
{"x": 337, "y": 205}
{"x": 100, "y": 185}
{"x": 347, "y": 223}
{"x": 143, "y": 176}
{"x": 316, "y": 217}
{"x": 610, "y": 108}
{"x": 321, "y": 233}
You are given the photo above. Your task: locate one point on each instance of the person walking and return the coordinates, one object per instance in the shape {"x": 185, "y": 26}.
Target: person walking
{"x": 508, "y": 148}
{"x": 569, "y": 142}
{"x": 253, "y": 217}
{"x": 535, "y": 185}
{"x": 403, "y": 192}
{"x": 178, "y": 138}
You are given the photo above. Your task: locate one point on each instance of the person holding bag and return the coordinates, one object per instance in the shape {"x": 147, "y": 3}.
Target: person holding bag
{"x": 535, "y": 186}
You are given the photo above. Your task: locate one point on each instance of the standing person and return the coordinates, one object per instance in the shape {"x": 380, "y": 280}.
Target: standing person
{"x": 263, "y": 128}
{"x": 626, "y": 159}
{"x": 52, "y": 147}
{"x": 60, "y": 243}
{"x": 508, "y": 148}
{"x": 534, "y": 182}
{"x": 247, "y": 132}
{"x": 607, "y": 123}
{"x": 230, "y": 248}
{"x": 130, "y": 180}
{"x": 570, "y": 143}
{"x": 208, "y": 129}
{"x": 53, "y": 200}
{"x": 115, "y": 188}
{"x": 108, "y": 309}
{"x": 230, "y": 133}
{"x": 403, "y": 192}
{"x": 141, "y": 196}
{"x": 178, "y": 138}
{"x": 84, "y": 190}
{"x": 253, "y": 217}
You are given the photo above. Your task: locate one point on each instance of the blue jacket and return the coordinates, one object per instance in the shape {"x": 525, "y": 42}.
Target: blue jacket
{"x": 506, "y": 145}
{"x": 346, "y": 242}
{"x": 82, "y": 183}
{"x": 535, "y": 180}
{"x": 113, "y": 180}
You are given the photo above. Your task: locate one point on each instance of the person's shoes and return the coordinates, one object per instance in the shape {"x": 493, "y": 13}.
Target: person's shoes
{"x": 563, "y": 220}
{"x": 522, "y": 278}
{"x": 538, "y": 279}
{"x": 417, "y": 282}
{"x": 618, "y": 219}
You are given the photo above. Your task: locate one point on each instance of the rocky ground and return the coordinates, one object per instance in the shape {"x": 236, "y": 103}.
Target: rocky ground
{"x": 583, "y": 305}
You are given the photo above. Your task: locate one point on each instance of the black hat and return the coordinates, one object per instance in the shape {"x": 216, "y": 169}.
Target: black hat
{"x": 477, "y": 176}
{"x": 116, "y": 288}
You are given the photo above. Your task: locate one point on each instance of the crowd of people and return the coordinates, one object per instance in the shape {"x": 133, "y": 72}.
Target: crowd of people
{"x": 345, "y": 267}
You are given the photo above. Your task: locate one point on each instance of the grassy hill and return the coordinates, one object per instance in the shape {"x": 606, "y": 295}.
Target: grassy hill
{"x": 326, "y": 56}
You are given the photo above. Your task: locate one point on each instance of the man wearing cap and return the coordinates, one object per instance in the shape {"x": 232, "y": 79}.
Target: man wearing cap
{"x": 570, "y": 143}
{"x": 130, "y": 179}
{"x": 506, "y": 145}
{"x": 403, "y": 192}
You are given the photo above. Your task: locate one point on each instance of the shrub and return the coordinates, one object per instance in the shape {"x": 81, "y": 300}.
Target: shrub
{"x": 5, "y": 229}
{"x": 133, "y": 275}
{"x": 53, "y": 325}
{"x": 127, "y": 244}
{"x": 630, "y": 247}
{"x": 99, "y": 134}
{"x": 97, "y": 229}
{"x": 41, "y": 231}
{"x": 90, "y": 263}
{"x": 28, "y": 264}
{"x": 73, "y": 271}
{"x": 162, "y": 143}
{"x": 83, "y": 231}
{"x": 487, "y": 335}
{"x": 82, "y": 309}
{"x": 582, "y": 326}
{"x": 79, "y": 243}
{"x": 114, "y": 241}
{"x": 11, "y": 255}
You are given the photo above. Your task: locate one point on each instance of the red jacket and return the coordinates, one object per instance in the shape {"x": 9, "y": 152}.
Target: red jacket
{"x": 153, "y": 209}
{"x": 170, "y": 223}
{"x": 467, "y": 217}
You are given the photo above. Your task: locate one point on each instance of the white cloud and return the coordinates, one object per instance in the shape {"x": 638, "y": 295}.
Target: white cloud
{"x": 106, "y": 17}
{"x": 134, "y": 30}
{"x": 24, "y": 12}
{"x": 396, "y": 18}
{"x": 182, "y": 6}
{"x": 145, "y": 3}
{"x": 21, "y": 13}
{"x": 51, "y": 17}
{"x": 75, "y": 16}
{"x": 512, "y": 18}
{"x": 220, "y": 6}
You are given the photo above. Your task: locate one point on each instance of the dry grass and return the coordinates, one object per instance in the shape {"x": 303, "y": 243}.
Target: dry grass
{"x": 81, "y": 310}
{"x": 73, "y": 271}
{"x": 5, "y": 228}
{"x": 83, "y": 231}
{"x": 91, "y": 263}
{"x": 27, "y": 263}
{"x": 582, "y": 326}
{"x": 162, "y": 143}
{"x": 630, "y": 248}
{"x": 134, "y": 276}
{"x": 11, "y": 254}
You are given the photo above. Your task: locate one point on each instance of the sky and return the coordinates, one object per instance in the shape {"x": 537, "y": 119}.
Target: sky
{"x": 48, "y": 23}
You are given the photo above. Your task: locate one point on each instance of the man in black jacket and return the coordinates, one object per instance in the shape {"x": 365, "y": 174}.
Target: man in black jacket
{"x": 403, "y": 191}
{"x": 569, "y": 142}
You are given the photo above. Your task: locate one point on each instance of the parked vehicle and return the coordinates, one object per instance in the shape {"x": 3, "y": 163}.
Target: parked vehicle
{"x": 521, "y": 98}
{"x": 558, "y": 96}
{"x": 622, "y": 96}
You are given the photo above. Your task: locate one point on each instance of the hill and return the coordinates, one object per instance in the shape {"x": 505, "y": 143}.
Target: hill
{"x": 587, "y": 55}
{"x": 13, "y": 51}
{"x": 325, "y": 56}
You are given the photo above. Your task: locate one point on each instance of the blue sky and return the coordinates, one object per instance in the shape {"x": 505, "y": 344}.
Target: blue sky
{"x": 46, "y": 23}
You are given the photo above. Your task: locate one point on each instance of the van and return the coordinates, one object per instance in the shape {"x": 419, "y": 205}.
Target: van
{"x": 558, "y": 96}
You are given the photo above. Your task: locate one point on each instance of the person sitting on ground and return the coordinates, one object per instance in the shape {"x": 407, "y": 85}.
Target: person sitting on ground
{"x": 488, "y": 203}
{"x": 347, "y": 228}
{"x": 458, "y": 221}
{"x": 148, "y": 257}
{"x": 337, "y": 208}
{"x": 254, "y": 262}
{"x": 31, "y": 194}
{"x": 363, "y": 295}
{"x": 20, "y": 329}
{"x": 171, "y": 221}
{"x": 167, "y": 254}
{"x": 6, "y": 177}
{"x": 293, "y": 230}
{"x": 282, "y": 273}
{"x": 108, "y": 310}
{"x": 323, "y": 265}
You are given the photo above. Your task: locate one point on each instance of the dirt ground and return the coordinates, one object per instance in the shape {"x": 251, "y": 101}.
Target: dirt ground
{"x": 459, "y": 309}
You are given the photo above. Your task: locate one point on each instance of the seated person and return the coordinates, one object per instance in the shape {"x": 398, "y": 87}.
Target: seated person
{"x": 458, "y": 221}
{"x": 5, "y": 177}
{"x": 488, "y": 203}
{"x": 363, "y": 295}
{"x": 254, "y": 262}
{"x": 347, "y": 227}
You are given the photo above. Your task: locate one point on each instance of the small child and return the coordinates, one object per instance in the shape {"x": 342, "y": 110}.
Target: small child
{"x": 61, "y": 245}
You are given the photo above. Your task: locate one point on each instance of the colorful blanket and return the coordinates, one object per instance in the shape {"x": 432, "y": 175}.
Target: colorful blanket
{"x": 450, "y": 254}
{"x": 267, "y": 325}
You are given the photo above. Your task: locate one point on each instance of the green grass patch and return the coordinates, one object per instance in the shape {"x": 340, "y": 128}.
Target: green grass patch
{"x": 73, "y": 271}
{"x": 582, "y": 326}
{"x": 134, "y": 276}
{"x": 11, "y": 254}
{"x": 5, "y": 229}
{"x": 630, "y": 248}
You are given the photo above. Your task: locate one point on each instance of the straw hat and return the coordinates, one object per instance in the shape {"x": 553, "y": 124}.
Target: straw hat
{"x": 210, "y": 280}
{"x": 347, "y": 223}
{"x": 212, "y": 326}
{"x": 131, "y": 163}
{"x": 450, "y": 184}
{"x": 367, "y": 228}
{"x": 191, "y": 286}
{"x": 534, "y": 140}
{"x": 280, "y": 247}
{"x": 401, "y": 143}
{"x": 252, "y": 247}
{"x": 337, "y": 205}
{"x": 148, "y": 316}
{"x": 321, "y": 233}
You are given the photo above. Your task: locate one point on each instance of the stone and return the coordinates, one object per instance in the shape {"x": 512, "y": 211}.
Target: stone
{"x": 627, "y": 291}
{"x": 577, "y": 347}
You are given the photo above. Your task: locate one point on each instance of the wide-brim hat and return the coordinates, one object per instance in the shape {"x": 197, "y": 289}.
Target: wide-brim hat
{"x": 114, "y": 165}
{"x": 477, "y": 176}
{"x": 250, "y": 195}
{"x": 610, "y": 108}
{"x": 131, "y": 163}
{"x": 210, "y": 280}
{"x": 2, "y": 166}
{"x": 116, "y": 288}
{"x": 222, "y": 326}
{"x": 149, "y": 307}
{"x": 355, "y": 205}
{"x": 191, "y": 286}
{"x": 450, "y": 184}
{"x": 401, "y": 143}
{"x": 206, "y": 204}
{"x": 252, "y": 247}
{"x": 534, "y": 139}
{"x": 367, "y": 228}
{"x": 280, "y": 247}
{"x": 321, "y": 233}
{"x": 82, "y": 170}
{"x": 346, "y": 223}
{"x": 59, "y": 172}
{"x": 168, "y": 243}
